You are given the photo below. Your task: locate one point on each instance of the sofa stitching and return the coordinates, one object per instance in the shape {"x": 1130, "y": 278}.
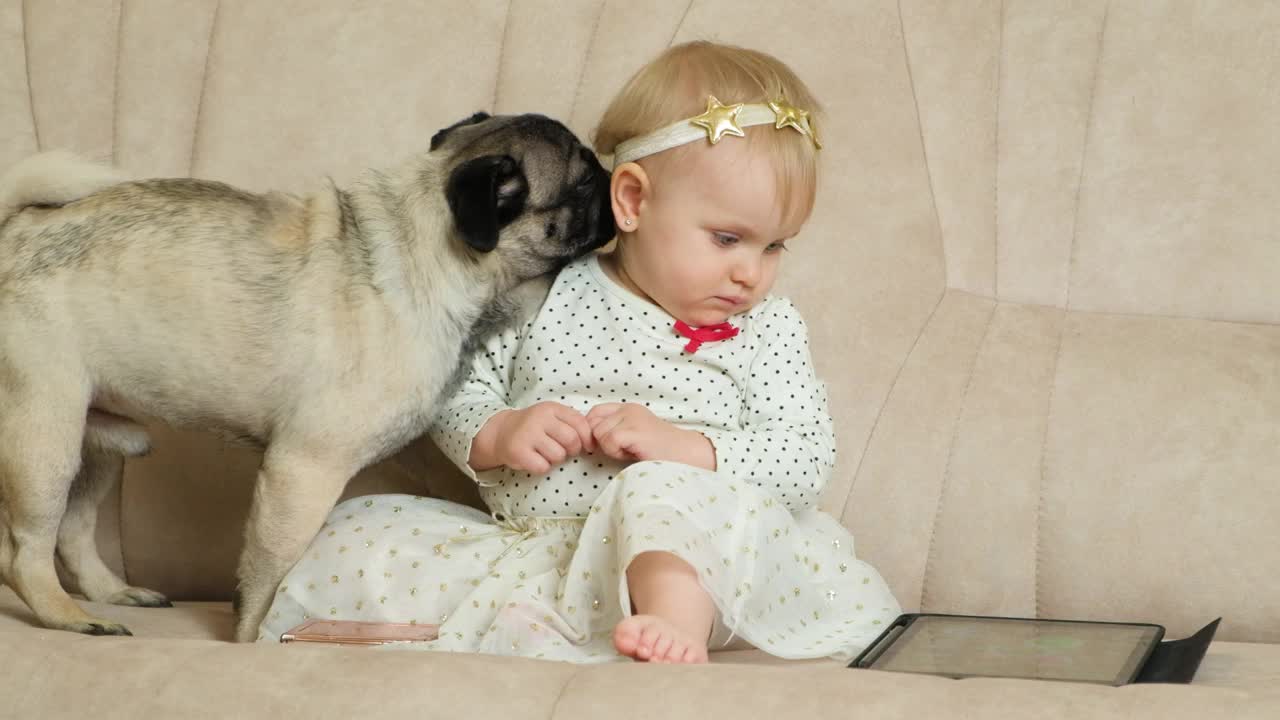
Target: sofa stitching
{"x": 1084, "y": 147}
{"x": 951, "y": 451}
{"x": 555, "y": 704}
{"x": 1037, "y": 531}
{"x": 204, "y": 84}
{"x": 115, "y": 89}
{"x": 1038, "y": 558}
{"x": 502, "y": 53}
{"x": 995, "y": 281}
{"x": 866, "y": 446}
{"x": 924, "y": 150}
{"x": 906, "y": 55}
{"x": 586, "y": 58}
{"x": 26, "y": 56}
{"x": 679, "y": 24}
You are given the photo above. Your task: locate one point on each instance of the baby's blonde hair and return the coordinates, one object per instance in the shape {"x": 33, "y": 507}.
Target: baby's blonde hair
{"x": 675, "y": 86}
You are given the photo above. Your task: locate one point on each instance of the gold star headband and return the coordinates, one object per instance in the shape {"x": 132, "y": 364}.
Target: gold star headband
{"x": 719, "y": 120}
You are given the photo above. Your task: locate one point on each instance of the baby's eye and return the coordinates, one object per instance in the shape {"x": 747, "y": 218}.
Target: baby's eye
{"x": 776, "y": 247}
{"x": 724, "y": 239}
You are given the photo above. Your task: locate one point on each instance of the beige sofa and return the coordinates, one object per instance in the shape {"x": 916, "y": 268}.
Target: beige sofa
{"x": 1042, "y": 282}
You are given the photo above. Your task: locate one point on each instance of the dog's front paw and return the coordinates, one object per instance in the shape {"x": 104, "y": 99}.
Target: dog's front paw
{"x": 139, "y": 597}
{"x": 97, "y": 627}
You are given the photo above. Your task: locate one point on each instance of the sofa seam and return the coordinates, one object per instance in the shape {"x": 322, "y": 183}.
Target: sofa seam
{"x": 924, "y": 149}
{"x": 679, "y": 24}
{"x": 502, "y": 54}
{"x": 204, "y": 85}
{"x": 1038, "y": 529}
{"x": 26, "y": 57}
{"x": 875, "y": 425}
{"x": 586, "y": 58}
{"x": 951, "y": 451}
{"x": 555, "y": 704}
{"x": 115, "y": 83}
{"x": 1084, "y": 156}
{"x": 995, "y": 281}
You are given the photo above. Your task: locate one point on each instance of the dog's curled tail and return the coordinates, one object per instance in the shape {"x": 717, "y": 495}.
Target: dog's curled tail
{"x": 56, "y": 177}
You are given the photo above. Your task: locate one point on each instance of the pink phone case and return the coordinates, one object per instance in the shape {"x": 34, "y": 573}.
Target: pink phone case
{"x": 355, "y": 632}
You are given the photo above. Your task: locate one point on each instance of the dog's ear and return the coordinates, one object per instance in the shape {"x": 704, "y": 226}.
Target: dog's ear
{"x": 443, "y": 133}
{"x": 485, "y": 194}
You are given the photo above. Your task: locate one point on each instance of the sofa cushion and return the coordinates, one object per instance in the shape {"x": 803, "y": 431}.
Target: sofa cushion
{"x": 180, "y": 664}
{"x": 1082, "y": 466}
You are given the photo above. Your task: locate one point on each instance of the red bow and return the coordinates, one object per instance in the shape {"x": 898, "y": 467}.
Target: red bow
{"x": 709, "y": 333}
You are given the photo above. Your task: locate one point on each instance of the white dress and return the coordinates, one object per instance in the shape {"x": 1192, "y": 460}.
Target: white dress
{"x": 544, "y": 575}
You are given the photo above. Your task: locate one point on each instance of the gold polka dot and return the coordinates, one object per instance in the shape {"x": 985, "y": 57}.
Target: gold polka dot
{"x": 333, "y": 579}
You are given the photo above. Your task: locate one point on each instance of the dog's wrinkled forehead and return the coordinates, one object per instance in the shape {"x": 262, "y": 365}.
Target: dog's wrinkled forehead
{"x": 532, "y": 140}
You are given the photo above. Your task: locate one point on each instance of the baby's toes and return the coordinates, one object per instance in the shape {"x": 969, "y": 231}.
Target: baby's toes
{"x": 649, "y": 638}
{"x": 666, "y": 646}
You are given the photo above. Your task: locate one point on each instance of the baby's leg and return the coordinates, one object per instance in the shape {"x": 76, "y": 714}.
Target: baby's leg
{"x": 673, "y": 614}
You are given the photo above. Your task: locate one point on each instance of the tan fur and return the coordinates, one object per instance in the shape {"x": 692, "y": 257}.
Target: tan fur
{"x": 322, "y": 328}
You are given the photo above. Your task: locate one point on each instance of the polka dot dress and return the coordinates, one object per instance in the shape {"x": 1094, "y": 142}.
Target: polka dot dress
{"x": 544, "y": 576}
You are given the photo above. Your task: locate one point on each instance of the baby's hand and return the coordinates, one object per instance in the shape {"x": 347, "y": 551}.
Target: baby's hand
{"x": 540, "y": 437}
{"x": 630, "y": 431}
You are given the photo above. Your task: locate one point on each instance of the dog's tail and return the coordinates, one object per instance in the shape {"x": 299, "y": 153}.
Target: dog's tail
{"x": 56, "y": 177}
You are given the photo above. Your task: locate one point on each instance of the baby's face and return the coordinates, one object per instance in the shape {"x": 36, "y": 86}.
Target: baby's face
{"x": 711, "y": 233}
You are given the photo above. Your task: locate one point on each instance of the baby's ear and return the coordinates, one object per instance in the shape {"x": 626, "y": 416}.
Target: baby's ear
{"x": 628, "y": 189}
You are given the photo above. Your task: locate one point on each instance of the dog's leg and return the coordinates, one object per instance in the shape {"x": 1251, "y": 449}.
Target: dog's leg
{"x": 107, "y": 440}
{"x": 294, "y": 493}
{"x": 41, "y": 432}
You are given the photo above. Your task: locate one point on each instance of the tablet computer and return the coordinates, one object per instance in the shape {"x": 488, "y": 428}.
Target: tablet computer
{"x": 962, "y": 646}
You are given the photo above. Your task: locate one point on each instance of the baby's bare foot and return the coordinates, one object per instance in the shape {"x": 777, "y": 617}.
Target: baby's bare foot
{"x": 649, "y": 638}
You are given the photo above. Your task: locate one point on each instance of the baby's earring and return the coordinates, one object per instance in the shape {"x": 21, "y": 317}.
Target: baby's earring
{"x": 627, "y": 222}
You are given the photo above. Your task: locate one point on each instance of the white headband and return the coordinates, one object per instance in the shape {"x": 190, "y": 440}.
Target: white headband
{"x": 719, "y": 120}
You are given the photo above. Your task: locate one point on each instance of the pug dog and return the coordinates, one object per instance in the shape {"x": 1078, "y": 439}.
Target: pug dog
{"x": 323, "y": 329}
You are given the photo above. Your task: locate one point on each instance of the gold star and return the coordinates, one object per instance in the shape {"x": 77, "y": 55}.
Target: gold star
{"x": 719, "y": 120}
{"x": 788, "y": 115}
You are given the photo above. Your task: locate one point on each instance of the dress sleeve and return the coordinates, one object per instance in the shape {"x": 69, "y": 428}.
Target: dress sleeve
{"x": 787, "y": 443}
{"x": 484, "y": 392}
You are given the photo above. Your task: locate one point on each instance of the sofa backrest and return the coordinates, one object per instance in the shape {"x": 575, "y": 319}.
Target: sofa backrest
{"x": 1000, "y": 172}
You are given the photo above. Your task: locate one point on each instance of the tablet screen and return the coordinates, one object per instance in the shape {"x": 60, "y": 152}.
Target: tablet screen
{"x": 960, "y": 646}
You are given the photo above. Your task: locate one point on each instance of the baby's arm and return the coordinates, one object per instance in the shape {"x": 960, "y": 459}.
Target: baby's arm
{"x": 483, "y": 395}
{"x": 787, "y": 443}
{"x": 478, "y": 429}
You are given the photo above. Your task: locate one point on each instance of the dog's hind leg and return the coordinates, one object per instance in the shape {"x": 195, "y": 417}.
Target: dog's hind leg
{"x": 42, "y": 422}
{"x": 294, "y": 493}
{"x": 108, "y": 440}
